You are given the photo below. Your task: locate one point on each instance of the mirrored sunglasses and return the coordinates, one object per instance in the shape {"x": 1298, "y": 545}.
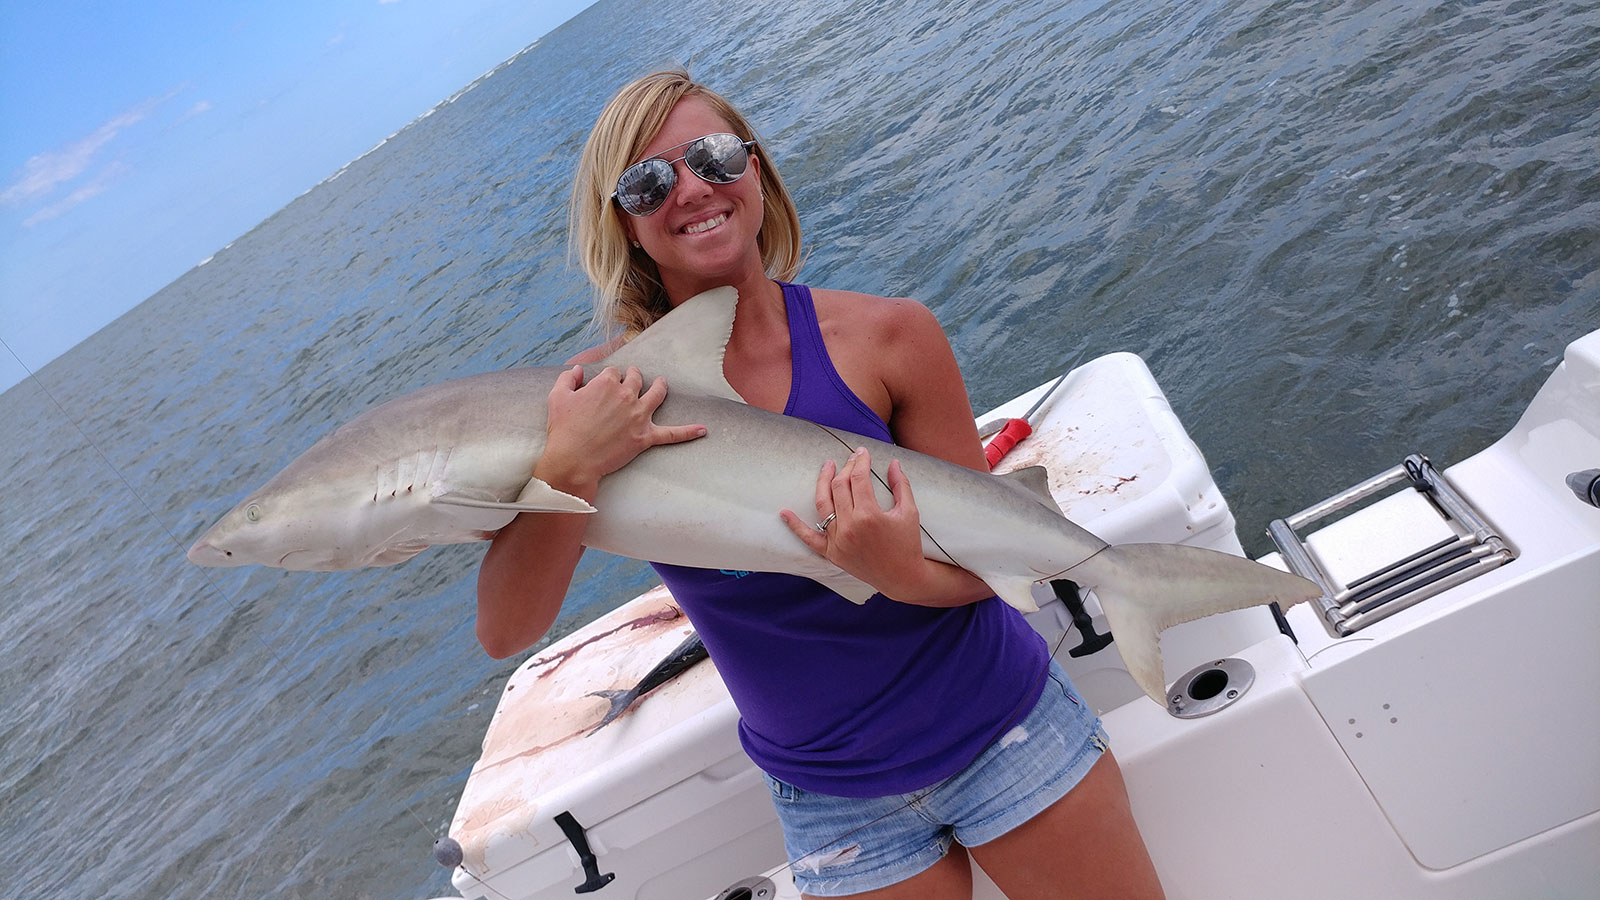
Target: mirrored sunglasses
{"x": 718, "y": 158}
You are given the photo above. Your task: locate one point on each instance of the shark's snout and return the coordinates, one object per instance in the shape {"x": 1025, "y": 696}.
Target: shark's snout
{"x": 203, "y": 553}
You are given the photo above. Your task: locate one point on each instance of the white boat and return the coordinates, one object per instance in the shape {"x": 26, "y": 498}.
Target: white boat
{"x": 1430, "y": 731}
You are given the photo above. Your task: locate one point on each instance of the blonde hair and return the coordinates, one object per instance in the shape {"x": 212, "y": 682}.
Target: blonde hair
{"x": 627, "y": 285}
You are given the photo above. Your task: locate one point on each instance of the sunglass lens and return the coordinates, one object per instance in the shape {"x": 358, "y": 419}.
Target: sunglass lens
{"x": 644, "y": 186}
{"x": 717, "y": 157}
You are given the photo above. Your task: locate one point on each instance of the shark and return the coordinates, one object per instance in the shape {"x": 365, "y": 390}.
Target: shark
{"x": 453, "y": 462}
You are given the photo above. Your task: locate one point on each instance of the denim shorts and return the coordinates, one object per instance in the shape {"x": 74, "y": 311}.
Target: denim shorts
{"x": 840, "y": 845}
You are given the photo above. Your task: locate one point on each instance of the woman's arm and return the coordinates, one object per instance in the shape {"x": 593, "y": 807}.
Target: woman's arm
{"x": 595, "y": 428}
{"x": 901, "y": 353}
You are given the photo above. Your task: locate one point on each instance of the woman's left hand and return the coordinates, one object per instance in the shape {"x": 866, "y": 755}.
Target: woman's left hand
{"x": 882, "y": 547}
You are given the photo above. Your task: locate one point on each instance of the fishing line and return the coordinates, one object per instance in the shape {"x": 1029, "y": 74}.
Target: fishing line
{"x": 879, "y": 479}
{"x": 32, "y": 376}
{"x": 151, "y": 513}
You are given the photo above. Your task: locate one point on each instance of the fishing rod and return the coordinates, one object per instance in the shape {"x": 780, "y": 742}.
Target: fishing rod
{"x": 1010, "y": 432}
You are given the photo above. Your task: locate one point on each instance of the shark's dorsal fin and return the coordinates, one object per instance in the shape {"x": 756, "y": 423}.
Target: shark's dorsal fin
{"x": 686, "y": 345}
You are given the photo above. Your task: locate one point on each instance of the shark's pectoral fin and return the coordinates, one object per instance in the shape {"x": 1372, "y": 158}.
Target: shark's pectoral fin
{"x": 1015, "y": 590}
{"x": 473, "y": 516}
{"x": 540, "y": 496}
{"x": 535, "y": 497}
{"x": 1145, "y": 588}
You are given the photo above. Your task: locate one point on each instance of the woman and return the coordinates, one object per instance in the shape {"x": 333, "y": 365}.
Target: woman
{"x": 902, "y": 738}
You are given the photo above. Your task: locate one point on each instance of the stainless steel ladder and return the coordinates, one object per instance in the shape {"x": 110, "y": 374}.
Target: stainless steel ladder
{"x": 1474, "y": 549}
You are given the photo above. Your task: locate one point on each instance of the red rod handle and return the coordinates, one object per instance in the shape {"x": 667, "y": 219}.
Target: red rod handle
{"x": 1009, "y": 436}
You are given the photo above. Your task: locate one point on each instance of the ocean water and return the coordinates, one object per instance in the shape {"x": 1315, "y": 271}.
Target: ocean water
{"x": 1337, "y": 232}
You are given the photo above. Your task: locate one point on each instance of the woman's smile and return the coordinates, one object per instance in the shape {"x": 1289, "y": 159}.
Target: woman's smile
{"x": 704, "y": 225}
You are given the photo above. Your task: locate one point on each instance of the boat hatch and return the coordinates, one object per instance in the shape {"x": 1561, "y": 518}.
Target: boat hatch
{"x": 1469, "y": 548}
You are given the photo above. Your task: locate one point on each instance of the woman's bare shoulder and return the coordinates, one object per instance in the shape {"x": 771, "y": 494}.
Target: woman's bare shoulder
{"x": 902, "y": 344}
{"x": 598, "y": 351}
{"x": 887, "y": 317}
{"x": 833, "y": 298}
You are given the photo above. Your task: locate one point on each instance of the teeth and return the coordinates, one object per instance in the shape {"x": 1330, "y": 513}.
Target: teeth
{"x": 707, "y": 225}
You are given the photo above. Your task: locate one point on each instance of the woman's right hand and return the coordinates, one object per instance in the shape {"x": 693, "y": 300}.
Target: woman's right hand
{"x": 596, "y": 427}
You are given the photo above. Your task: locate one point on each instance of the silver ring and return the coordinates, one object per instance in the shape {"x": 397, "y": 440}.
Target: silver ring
{"x": 823, "y": 525}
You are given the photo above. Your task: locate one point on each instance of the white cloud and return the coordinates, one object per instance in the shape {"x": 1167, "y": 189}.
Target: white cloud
{"x": 45, "y": 172}
{"x": 204, "y": 106}
{"x": 93, "y": 188}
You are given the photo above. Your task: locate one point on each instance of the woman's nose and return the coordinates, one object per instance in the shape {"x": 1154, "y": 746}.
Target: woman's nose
{"x": 690, "y": 187}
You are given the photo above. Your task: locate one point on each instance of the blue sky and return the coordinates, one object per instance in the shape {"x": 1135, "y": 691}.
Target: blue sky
{"x": 140, "y": 138}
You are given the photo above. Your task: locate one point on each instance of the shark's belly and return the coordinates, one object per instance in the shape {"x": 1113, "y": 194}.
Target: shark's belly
{"x": 714, "y": 502}
{"x": 688, "y": 505}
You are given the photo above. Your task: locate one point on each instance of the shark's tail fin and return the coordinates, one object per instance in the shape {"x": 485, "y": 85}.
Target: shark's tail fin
{"x": 1145, "y": 588}
{"x": 619, "y": 700}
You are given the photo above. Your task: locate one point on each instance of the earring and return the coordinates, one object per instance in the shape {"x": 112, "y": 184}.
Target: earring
{"x": 637, "y": 245}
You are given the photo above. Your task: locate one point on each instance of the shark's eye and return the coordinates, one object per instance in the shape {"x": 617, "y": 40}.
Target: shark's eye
{"x": 252, "y": 512}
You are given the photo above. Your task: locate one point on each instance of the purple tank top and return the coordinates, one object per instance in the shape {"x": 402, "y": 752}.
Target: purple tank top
{"x": 856, "y": 701}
